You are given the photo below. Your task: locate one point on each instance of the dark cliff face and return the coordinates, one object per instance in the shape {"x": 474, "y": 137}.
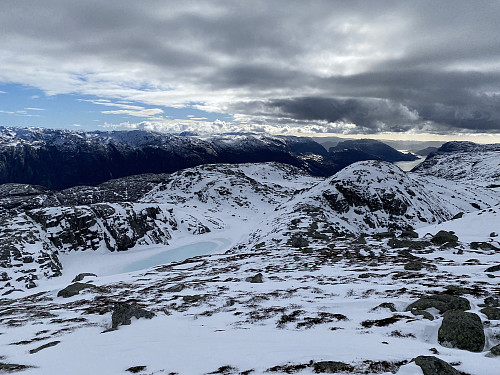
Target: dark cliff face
{"x": 59, "y": 159}
{"x": 376, "y": 149}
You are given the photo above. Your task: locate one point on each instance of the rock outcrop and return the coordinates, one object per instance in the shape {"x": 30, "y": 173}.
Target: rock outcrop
{"x": 431, "y": 365}
{"x": 462, "y": 330}
{"x": 124, "y": 312}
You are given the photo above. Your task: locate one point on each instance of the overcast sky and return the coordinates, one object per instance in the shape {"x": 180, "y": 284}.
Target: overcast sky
{"x": 348, "y": 67}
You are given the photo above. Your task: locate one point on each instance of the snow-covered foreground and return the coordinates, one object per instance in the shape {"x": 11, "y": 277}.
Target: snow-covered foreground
{"x": 255, "y": 269}
{"x": 316, "y": 304}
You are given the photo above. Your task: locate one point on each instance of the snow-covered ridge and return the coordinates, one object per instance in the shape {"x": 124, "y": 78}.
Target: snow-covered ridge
{"x": 464, "y": 161}
{"x": 375, "y": 196}
{"x": 310, "y": 275}
{"x": 255, "y": 202}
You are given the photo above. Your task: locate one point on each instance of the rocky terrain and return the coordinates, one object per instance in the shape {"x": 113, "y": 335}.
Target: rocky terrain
{"x": 464, "y": 161}
{"x": 255, "y": 268}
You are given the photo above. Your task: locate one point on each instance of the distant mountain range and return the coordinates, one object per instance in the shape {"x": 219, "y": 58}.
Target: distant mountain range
{"x": 372, "y": 149}
{"x": 59, "y": 159}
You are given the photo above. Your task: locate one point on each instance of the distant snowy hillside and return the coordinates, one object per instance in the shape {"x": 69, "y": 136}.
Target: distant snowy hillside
{"x": 464, "y": 161}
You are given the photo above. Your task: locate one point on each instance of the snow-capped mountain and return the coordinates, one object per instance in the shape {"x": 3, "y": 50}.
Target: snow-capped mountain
{"x": 464, "y": 161}
{"x": 59, "y": 159}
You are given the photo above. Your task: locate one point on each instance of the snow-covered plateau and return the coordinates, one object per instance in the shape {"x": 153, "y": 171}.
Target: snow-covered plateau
{"x": 256, "y": 269}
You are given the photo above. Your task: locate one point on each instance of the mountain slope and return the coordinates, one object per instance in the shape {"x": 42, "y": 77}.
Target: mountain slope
{"x": 377, "y": 149}
{"x": 319, "y": 308}
{"x": 464, "y": 161}
{"x": 281, "y": 273}
{"x": 374, "y": 196}
{"x": 252, "y": 203}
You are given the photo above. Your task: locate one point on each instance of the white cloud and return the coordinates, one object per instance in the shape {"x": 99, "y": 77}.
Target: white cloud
{"x": 34, "y": 109}
{"x": 145, "y": 112}
{"x": 217, "y": 54}
{"x": 220, "y": 127}
{"x": 126, "y": 109}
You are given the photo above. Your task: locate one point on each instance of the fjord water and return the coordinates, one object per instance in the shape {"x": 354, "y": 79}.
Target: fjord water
{"x": 409, "y": 165}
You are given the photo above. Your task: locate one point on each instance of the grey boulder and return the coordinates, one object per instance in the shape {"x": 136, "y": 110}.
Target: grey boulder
{"x": 462, "y": 330}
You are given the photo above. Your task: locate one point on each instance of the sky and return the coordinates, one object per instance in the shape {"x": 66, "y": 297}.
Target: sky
{"x": 396, "y": 69}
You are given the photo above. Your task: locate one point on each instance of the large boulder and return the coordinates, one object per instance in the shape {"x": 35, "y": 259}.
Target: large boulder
{"x": 493, "y": 268}
{"x": 74, "y": 289}
{"x": 493, "y": 313}
{"x": 81, "y": 276}
{"x": 255, "y": 279}
{"x": 495, "y": 351}
{"x": 492, "y": 301}
{"x": 414, "y": 266}
{"x": 123, "y": 313}
{"x": 442, "y": 302}
{"x": 332, "y": 367}
{"x": 443, "y": 237}
{"x": 431, "y": 365}
{"x": 462, "y": 330}
{"x": 175, "y": 288}
{"x": 408, "y": 233}
{"x": 397, "y": 243}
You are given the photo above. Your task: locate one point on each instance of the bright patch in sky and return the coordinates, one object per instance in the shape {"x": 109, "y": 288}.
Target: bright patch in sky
{"x": 27, "y": 106}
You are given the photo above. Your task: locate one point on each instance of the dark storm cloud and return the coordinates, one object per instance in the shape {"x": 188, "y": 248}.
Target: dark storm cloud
{"x": 377, "y": 115}
{"x": 383, "y": 66}
{"x": 370, "y": 115}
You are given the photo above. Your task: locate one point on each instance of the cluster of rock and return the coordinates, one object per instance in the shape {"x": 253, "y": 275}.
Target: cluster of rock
{"x": 459, "y": 329}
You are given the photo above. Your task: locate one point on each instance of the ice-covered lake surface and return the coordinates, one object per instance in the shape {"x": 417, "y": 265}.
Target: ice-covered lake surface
{"x": 114, "y": 266}
{"x": 173, "y": 255}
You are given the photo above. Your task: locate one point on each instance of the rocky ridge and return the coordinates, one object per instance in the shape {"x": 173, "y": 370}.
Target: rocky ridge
{"x": 464, "y": 161}
{"x": 273, "y": 202}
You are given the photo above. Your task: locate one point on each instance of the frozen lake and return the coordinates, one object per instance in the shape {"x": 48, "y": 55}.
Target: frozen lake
{"x": 173, "y": 255}
{"x": 113, "y": 265}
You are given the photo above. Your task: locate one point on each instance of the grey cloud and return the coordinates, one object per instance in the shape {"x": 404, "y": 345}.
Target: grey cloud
{"x": 380, "y": 115}
{"x": 370, "y": 115}
{"x": 384, "y": 66}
